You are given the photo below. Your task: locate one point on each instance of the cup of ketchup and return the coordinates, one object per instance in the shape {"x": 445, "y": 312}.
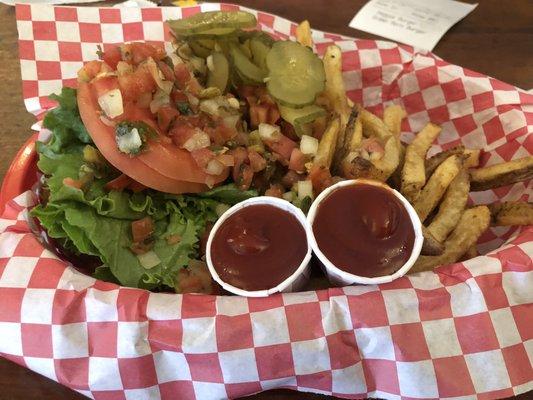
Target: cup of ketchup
{"x": 365, "y": 232}
{"x": 259, "y": 247}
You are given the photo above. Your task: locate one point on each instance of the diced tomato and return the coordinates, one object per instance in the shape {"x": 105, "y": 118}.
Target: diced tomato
{"x": 275, "y": 190}
{"x": 139, "y": 52}
{"x": 182, "y": 74}
{"x": 257, "y": 162}
{"x": 202, "y": 157}
{"x": 89, "y": 70}
{"x": 297, "y": 160}
{"x": 283, "y": 146}
{"x": 245, "y": 91}
{"x": 165, "y": 117}
{"x": 245, "y": 174}
{"x": 240, "y": 156}
{"x": 136, "y": 187}
{"x": 178, "y": 96}
{"x": 290, "y": 178}
{"x": 104, "y": 85}
{"x": 226, "y": 159}
{"x": 112, "y": 56}
{"x": 167, "y": 71}
{"x": 142, "y": 229}
{"x": 320, "y": 177}
{"x": 273, "y": 114}
{"x": 119, "y": 183}
{"x": 134, "y": 84}
{"x": 181, "y": 132}
{"x": 225, "y": 132}
{"x": 258, "y": 114}
{"x": 72, "y": 183}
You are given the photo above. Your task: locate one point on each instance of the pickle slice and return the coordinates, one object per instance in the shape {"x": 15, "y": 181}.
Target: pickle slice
{"x": 296, "y": 74}
{"x": 259, "y": 50}
{"x": 301, "y": 117}
{"x": 198, "y": 48}
{"x": 245, "y": 68}
{"x": 219, "y": 76}
{"x": 213, "y": 22}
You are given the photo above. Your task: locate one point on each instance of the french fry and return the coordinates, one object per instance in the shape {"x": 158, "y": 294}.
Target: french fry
{"x": 373, "y": 125}
{"x": 392, "y": 117}
{"x": 436, "y": 186}
{"x": 327, "y": 145}
{"x": 434, "y": 161}
{"x": 303, "y": 34}
{"x": 452, "y": 206}
{"x": 354, "y": 131}
{"x": 511, "y": 213}
{"x": 471, "y": 159}
{"x": 502, "y": 174}
{"x": 431, "y": 246}
{"x": 413, "y": 172}
{"x": 472, "y": 224}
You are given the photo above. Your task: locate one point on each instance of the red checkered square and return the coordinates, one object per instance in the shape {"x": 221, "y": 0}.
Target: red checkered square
{"x": 414, "y": 103}
{"x": 109, "y": 16}
{"x": 409, "y": 342}
{"x": 434, "y": 304}
{"x": 137, "y": 372}
{"x": 427, "y": 77}
{"x": 47, "y": 274}
{"x": 109, "y": 395}
{"x": 491, "y": 286}
{"x": 514, "y": 259}
{"x": 256, "y": 304}
{"x": 205, "y": 367}
{"x": 69, "y": 307}
{"x": 44, "y": 30}
{"x": 402, "y": 283}
{"x": 320, "y": 380}
{"x": 453, "y": 377}
{"x": 274, "y": 362}
{"x": 131, "y": 304}
{"x": 523, "y": 317}
{"x": 496, "y": 394}
{"x": 36, "y": 340}
{"x": 381, "y": 375}
{"x": 265, "y": 19}
{"x": 73, "y": 372}
{"x": 390, "y": 56}
{"x": 165, "y": 335}
{"x": 482, "y": 101}
{"x": 90, "y": 33}
{"x": 198, "y": 306}
{"x": 493, "y": 130}
{"x": 518, "y": 364}
{"x": 464, "y": 124}
{"x": 151, "y": 14}
{"x": 26, "y": 50}
{"x": 13, "y": 298}
{"x": 371, "y": 76}
{"x": 170, "y": 389}
{"x": 453, "y": 274}
{"x": 343, "y": 350}
{"x": 133, "y": 31}
{"x": 102, "y": 339}
{"x": 477, "y": 327}
{"x": 66, "y": 14}
{"x": 439, "y": 115}
{"x": 237, "y": 390}
{"x": 29, "y": 246}
{"x": 233, "y": 332}
{"x": 3, "y": 263}
{"x": 23, "y": 12}
{"x": 69, "y": 51}
{"x": 304, "y": 321}
{"x": 48, "y": 70}
{"x": 368, "y": 310}
{"x": 453, "y": 90}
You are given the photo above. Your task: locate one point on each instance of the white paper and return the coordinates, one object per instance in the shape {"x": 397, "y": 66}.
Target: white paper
{"x": 13, "y": 2}
{"x": 419, "y": 23}
{"x": 136, "y": 3}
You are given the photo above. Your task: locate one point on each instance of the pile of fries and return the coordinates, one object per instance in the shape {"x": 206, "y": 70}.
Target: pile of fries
{"x": 358, "y": 144}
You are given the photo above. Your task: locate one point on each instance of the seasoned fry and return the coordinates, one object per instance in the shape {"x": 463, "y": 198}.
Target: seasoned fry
{"x": 434, "y": 161}
{"x": 354, "y": 131}
{"x": 472, "y": 224}
{"x": 413, "y": 172}
{"x": 373, "y": 125}
{"x": 436, "y": 186}
{"x": 502, "y": 174}
{"x": 431, "y": 246}
{"x": 511, "y": 213}
{"x": 471, "y": 159}
{"x": 327, "y": 145}
{"x": 392, "y": 117}
{"x": 303, "y": 34}
{"x": 452, "y": 206}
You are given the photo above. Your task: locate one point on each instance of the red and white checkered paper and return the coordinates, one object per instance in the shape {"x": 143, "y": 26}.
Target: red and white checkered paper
{"x": 465, "y": 330}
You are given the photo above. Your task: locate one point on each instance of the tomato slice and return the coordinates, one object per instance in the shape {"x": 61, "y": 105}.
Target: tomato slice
{"x": 104, "y": 138}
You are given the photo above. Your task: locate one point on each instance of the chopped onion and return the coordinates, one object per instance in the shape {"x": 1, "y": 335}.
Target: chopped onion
{"x": 227, "y": 159}
{"x": 130, "y": 142}
{"x": 197, "y": 141}
{"x": 210, "y": 64}
{"x": 304, "y": 189}
{"x": 214, "y": 167}
{"x": 210, "y": 106}
{"x": 268, "y": 132}
{"x": 165, "y": 86}
{"x": 231, "y": 120}
{"x": 107, "y": 121}
{"x": 123, "y": 68}
{"x": 193, "y": 100}
{"x": 221, "y": 208}
{"x": 175, "y": 59}
{"x": 111, "y": 103}
{"x": 160, "y": 98}
{"x": 289, "y": 196}
{"x": 234, "y": 103}
{"x": 149, "y": 259}
{"x": 309, "y": 145}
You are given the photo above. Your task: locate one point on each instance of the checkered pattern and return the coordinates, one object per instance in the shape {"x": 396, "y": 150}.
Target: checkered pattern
{"x": 464, "y": 330}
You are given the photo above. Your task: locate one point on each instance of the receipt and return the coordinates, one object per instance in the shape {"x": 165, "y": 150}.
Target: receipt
{"x": 419, "y": 23}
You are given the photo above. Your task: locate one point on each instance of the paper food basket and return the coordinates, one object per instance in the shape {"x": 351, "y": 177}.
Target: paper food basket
{"x": 463, "y": 331}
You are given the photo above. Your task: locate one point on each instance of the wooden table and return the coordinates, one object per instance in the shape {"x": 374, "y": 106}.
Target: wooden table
{"x": 495, "y": 39}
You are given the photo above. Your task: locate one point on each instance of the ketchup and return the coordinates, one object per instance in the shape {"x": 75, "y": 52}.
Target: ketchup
{"x": 364, "y": 230}
{"x": 258, "y": 247}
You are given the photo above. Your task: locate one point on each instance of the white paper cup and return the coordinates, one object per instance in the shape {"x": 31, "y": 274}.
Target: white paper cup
{"x": 294, "y": 282}
{"x": 339, "y": 277}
